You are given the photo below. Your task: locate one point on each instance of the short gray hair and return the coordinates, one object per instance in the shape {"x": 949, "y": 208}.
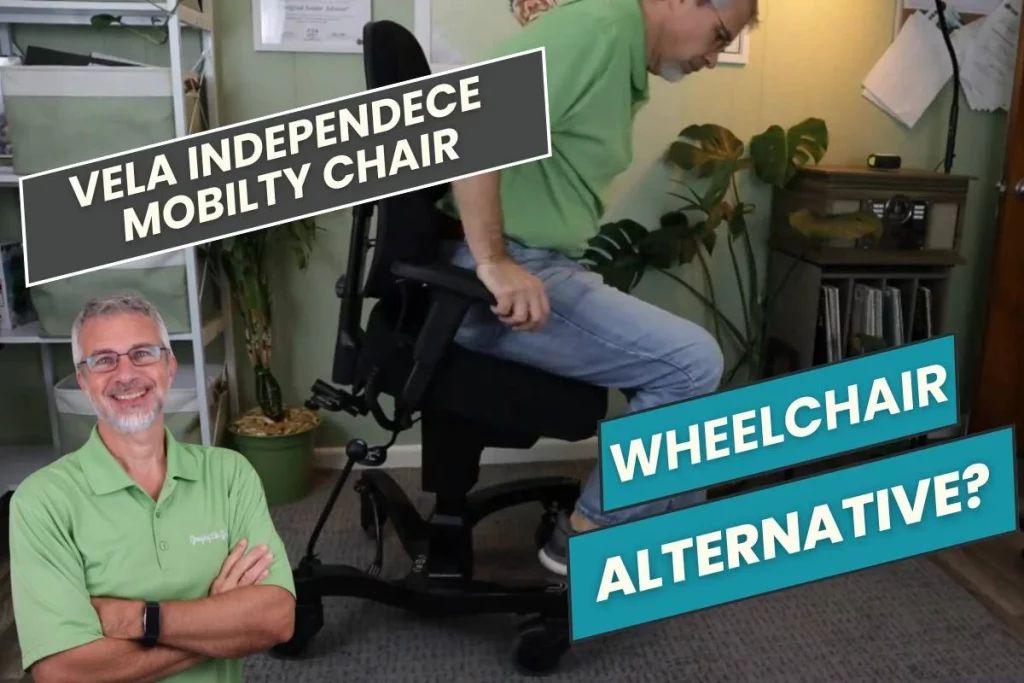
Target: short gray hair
{"x": 115, "y": 304}
{"x": 752, "y": 4}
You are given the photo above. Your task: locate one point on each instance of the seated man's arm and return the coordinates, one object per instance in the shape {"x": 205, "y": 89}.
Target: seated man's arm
{"x": 242, "y": 621}
{"x": 479, "y": 200}
{"x": 574, "y": 61}
{"x": 59, "y": 632}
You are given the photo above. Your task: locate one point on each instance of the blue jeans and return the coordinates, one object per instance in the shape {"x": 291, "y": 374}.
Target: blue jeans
{"x": 600, "y": 335}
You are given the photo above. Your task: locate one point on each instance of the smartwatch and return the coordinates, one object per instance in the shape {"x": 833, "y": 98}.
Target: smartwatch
{"x": 151, "y": 624}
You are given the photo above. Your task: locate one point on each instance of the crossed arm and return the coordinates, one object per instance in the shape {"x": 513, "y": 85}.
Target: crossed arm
{"x": 238, "y": 619}
{"x": 71, "y": 635}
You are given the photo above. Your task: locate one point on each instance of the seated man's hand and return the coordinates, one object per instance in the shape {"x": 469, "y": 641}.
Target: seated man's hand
{"x": 240, "y": 569}
{"x": 522, "y": 301}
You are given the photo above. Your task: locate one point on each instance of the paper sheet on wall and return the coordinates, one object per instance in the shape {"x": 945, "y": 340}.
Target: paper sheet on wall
{"x": 988, "y": 73}
{"x": 916, "y": 67}
{"x": 962, "y": 6}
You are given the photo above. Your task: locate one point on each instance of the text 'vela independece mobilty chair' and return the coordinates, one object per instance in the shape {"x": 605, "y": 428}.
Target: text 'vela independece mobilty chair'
{"x": 464, "y": 403}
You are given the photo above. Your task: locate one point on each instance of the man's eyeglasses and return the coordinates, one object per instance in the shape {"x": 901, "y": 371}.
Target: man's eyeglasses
{"x": 723, "y": 36}
{"x": 140, "y": 356}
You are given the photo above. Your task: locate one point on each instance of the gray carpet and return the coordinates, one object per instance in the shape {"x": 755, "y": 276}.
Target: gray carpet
{"x": 901, "y": 622}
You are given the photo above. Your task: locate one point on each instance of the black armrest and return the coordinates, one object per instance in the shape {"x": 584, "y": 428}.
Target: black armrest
{"x": 448, "y": 277}
{"x": 452, "y": 291}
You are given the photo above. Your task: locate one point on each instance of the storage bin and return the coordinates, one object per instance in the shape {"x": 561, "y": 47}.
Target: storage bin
{"x": 76, "y": 416}
{"x": 62, "y": 115}
{"x": 161, "y": 279}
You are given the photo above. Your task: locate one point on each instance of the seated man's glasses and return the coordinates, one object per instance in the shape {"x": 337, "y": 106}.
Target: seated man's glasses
{"x": 140, "y": 356}
{"x": 723, "y": 36}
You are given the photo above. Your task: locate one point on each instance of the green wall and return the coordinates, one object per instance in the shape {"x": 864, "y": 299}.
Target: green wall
{"x": 801, "y": 65}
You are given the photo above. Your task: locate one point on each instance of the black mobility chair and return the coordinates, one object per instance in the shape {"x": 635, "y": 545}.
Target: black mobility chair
{"x": 463, "y": 401}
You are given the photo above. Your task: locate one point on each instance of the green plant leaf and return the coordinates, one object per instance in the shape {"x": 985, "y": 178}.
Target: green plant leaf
{"x": 619, "y": 237}
{"x": 808, "y": 140}
{"x": 768, "y": 150}
{"x": 688, "y": 251}
{"x": 677, "y": 237}
{"x": 718, "y": 187}
{"x": 677, "y": 222}
{"x": 778, "y": 154}
{"x": 704, "y": 147}
{"x": 847, "y": 226}
{"x": 722, "y": 211}
{"x": 624, "y": 275}
{"x": 615, "y": 253}
{"x": 689, "y": 241}
{"x": 661, "y": 248}
{"x": 268, "y": 393}
{"x": 709, "y": 239}
{"x": 737, "y": 223}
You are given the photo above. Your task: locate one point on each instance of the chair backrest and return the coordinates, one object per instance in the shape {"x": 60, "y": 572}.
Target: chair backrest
{"x": 409, "y": 226}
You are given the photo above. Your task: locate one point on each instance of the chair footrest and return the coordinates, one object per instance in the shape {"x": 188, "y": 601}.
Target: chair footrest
{"x": 442, "y": 546}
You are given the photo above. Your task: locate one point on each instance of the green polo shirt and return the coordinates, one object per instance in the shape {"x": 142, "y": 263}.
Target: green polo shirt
{"x": 81, "y": 527}
{"x": 597, "y": 81}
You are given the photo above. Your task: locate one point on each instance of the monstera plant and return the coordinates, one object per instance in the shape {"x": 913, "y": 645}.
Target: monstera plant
{"x": 624, "y": 251}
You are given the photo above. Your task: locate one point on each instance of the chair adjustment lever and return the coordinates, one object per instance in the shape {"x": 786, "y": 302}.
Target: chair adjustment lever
{"x": 335, "y": 400}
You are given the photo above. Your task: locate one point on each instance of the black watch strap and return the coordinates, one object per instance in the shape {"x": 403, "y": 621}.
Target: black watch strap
{"x": 151, "y": 624}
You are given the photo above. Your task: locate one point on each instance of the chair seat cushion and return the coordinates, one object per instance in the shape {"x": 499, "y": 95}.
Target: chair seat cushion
{"x": 511, "y": 397}
{"x": 517, "y": 398}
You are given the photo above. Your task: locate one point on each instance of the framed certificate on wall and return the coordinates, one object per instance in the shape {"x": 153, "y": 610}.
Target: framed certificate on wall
{"x": 310, "y": 25}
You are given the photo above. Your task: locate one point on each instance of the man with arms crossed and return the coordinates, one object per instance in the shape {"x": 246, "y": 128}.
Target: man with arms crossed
{"x": 525, "y": 226}
{"x": 136, "y": 557}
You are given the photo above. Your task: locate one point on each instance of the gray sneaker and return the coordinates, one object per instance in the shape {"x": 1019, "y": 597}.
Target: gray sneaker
{"x": 555, "y": 552}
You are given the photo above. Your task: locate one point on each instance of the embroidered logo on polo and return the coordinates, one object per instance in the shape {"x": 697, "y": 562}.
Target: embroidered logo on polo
{"x": 211, "y": 537}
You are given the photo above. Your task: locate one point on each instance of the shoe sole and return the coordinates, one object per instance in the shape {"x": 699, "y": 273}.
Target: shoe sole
{"x": 550, "y": 564}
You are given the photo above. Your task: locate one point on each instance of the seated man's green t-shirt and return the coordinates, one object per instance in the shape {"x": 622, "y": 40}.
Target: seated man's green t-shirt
{"x": 597, "y": 80}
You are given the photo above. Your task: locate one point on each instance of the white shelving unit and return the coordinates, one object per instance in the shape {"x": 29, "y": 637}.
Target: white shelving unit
{"x": 19, "y": 461}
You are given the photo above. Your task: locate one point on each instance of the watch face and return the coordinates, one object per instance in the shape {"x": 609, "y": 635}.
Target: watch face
{"x": 151, "y": 624}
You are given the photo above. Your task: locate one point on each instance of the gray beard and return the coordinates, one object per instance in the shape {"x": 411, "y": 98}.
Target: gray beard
{"x": 132, "y": 422}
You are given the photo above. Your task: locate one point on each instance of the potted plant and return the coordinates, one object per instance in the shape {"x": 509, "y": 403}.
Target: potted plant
{"x": 625, "y": 250}
{"x": 276, "y": 438}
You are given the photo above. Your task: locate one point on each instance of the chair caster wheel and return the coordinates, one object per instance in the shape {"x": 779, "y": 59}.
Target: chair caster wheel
{"x": 309, "y": 619}
{"x": 545, "y": 528}
{"x": 367, "y": 505}
{"x": 540, "y": 645}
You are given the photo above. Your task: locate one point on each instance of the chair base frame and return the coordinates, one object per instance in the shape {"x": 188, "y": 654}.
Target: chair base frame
{"x": 441, "y": 580}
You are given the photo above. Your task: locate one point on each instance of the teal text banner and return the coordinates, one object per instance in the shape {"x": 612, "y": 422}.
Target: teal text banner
{"x": 807, "y": 530}
{"x": 778, "y": 423}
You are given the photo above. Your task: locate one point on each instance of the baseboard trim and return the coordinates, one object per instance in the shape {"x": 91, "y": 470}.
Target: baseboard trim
{"x": 409, "y": 455}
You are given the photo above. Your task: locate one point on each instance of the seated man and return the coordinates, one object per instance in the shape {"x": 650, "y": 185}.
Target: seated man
{"x": 525, "y": 226}
{"x": 136, "y": 557}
